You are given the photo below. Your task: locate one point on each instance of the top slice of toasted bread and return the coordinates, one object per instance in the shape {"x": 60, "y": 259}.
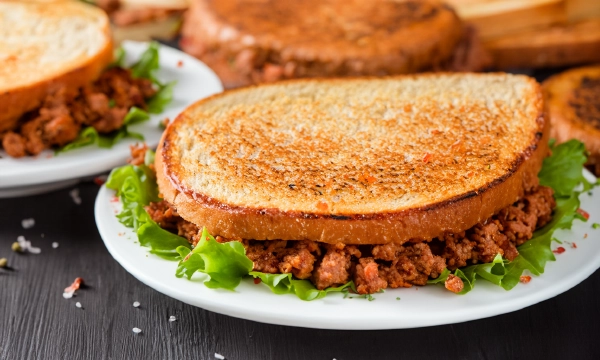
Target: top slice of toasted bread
{"x": 573, "y": 104}
{"x": 370, "y": 160}
{"x": 45, "y": 46}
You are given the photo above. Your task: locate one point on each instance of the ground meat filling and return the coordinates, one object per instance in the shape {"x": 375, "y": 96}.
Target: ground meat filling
{"x": 377, "y": 267}
{"x": 102, "y": 105}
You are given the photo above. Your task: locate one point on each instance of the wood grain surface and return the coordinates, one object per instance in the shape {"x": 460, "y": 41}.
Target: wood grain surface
{"x": 36, "y": 322}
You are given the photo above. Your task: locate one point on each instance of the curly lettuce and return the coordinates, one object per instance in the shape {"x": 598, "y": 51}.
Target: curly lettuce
{"x": 226, "y": 264}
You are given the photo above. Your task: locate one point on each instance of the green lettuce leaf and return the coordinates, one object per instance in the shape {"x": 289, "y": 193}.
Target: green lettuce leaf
{"x": 148, "y": 64}
{"x": 563, "y": 170}
{"x": 136, "y": 187}
{"x": 304, "y": 289}
{"x": 162, "y": 98}
{"x": 225, "y": 263}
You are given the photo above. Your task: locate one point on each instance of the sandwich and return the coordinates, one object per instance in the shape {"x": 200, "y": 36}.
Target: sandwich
{"x": 315, "y": 186}
{"x": 60, "y": 84}
{"x": 572, "y": 100}
{"x": 247, "y": 42}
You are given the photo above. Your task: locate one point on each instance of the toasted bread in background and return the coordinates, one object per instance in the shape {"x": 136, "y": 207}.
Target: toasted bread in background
{"x": 253, "y": 41}
{"x": 359, "y": 161}
{"x": 46, "y": 46}
{"x": 535, "y": 33}
{"x": 572, "y": 99}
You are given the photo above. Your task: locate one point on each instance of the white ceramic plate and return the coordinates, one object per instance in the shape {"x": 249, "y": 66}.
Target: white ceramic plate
{"x": 417, "y": 307}
{"x": 194, "y": 81}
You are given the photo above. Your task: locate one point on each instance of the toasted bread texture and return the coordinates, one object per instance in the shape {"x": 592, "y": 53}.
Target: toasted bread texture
{"x": 572, "y": 100}
{"x": 561, "y": 45}
{"x": 359, "y": 161}
{"x": 248, "y": 42}
{"x": 46, "y": 46}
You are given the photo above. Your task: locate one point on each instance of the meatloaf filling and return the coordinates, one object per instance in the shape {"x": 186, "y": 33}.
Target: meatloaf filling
{"x": 377, "y": 267}
{"x": 102, "y": 105}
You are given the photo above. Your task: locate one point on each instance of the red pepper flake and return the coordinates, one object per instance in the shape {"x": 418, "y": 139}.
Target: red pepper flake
{"x": 322, "y": 206}
{"x": 574, "y": 246}
{"x": 74, "y": 286}
{"x": 114, "y": 199}
{"x": 525, "y": 279}
{"x": 435, "y": 132}
{"x": 470, "y": 174}
{"x": 99, "y": 180}
{"x": 427, "y": 157}
{"x": 371, "y": 179}
{"x": 559, "y": 250}
{"x": 583, "y": 213}
{"x": 180, "y": 63}
{"x": 257, "y": 281}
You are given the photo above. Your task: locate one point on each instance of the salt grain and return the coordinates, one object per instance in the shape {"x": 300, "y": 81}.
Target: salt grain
{"x": 75, "y": 196}
{"x": 78, "y": 304}
{"x": 219, "y": 356}
{"x": 172, "y": 318}
{"x": 137, "y": 330}
{"x": 27, "y": 223}
{"x": 136, "y": 304}
{"x": 54, "y": 245}
{"x": 26, "y": 245}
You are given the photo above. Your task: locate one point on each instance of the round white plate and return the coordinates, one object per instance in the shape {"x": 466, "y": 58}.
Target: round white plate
{"x": 194, "y": 81}
{"x": 417, "y": 307}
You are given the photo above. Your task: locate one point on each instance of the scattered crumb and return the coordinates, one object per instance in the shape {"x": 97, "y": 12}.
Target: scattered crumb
{"x": 70, "y": 291}
{"x": 136, "y": 304}
{"x": 78, "y": 304}
{"x": 559, "y": 250}
{"x": 585, "y": 236}
{"x": 525, "y": 279}
{"x": 100, "y": 180}
{"x": 27, "y": 223}
{"x": 137, "y": 330}
{"x": 219, "y": 356}
{"x": 75, "y": 196}
{"x": 172, "y": 318}
{"x": 54, "y": 245}
{"x": 25, "y": 245}
{"x": 574, "y": 245}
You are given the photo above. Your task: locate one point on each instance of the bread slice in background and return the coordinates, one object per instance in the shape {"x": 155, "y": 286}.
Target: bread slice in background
{"x": 359, "y": 161}
{"x": 560, "y": 45}
{"x": 572, "y": 100}
{"x": 47, "y": 46}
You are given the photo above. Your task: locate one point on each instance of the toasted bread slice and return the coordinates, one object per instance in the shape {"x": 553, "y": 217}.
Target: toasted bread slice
{"x": 46, "y": 46}
{"x": 359, "y": 161}
{"x": 560, "y": 45}
{"x": 573, "y": 104}
{"x": 248, "y": 42}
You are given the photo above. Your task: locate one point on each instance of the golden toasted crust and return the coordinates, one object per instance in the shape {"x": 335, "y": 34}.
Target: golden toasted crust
{"x": 572, "y": 100}
{"x": 359, "y": 161}
{"x": 251, "y": 42}
{"x": 46, "y": 46}
{"x": 573, "y": 44}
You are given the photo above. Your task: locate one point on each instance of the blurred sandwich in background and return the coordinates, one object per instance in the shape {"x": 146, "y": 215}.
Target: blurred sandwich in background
{"x": 256, "y": 41}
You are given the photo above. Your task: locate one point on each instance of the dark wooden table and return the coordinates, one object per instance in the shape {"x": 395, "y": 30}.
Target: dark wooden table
{"x": 36, "y": 322}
